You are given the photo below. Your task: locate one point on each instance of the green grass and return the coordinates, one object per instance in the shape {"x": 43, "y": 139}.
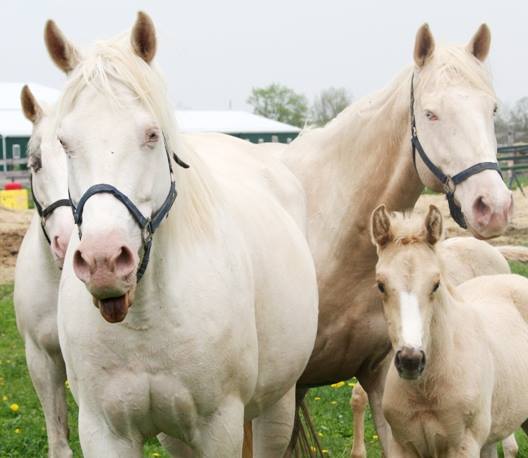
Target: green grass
{"x": 23, "y": 435}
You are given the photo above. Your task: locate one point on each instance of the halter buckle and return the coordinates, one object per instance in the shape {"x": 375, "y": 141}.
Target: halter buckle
{"x": 146, "y": 232}
{"x": 449, "y": 185}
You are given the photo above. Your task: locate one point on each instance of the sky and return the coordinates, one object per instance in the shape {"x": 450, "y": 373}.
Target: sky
{"x": 214, "y": 52}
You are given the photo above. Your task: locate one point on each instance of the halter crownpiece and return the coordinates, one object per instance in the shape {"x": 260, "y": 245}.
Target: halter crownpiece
{"x": 147, "y": 225}
{"x": 45, "y": 212}
{"x": 449, "y": 183}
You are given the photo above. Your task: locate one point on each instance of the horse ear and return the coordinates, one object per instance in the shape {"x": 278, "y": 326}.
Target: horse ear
{"x": 424, "y": 45}
{"x": 32, "y": 110}
{"x": 480, "y": 44}
{"x": 61, "y": 51}
{"x": 380, "y": 227}
{"x": 433, "y": 225}
{"x": 143, "y": 37}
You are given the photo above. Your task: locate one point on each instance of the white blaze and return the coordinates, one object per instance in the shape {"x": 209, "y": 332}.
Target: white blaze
{"x": 411, "y": 321}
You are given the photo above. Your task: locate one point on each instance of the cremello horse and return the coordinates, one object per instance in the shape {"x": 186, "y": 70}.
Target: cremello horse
{"x": 460, "y": 373}
{"x": 38, "y": 272}
{"x": 364, "y": 157}
{"x": 223, "y": 319}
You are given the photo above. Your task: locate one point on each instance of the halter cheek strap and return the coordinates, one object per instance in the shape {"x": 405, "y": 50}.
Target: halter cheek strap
{"x": 147, "y": 225}
{"x": 449, "y": 183}
{"x": 45, "y": 212}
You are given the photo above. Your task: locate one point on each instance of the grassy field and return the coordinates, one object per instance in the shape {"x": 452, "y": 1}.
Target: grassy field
{"x": 22, "y": 431}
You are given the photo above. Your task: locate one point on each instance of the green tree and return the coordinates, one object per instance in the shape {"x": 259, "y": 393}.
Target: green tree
{"x": 329, "y": 104}
{"x": 280, "y": 103}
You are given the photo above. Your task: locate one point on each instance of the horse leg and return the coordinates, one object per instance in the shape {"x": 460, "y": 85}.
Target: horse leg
{"x": 359, "y": 402}
{"x": 489, "y": 451}
{"x": 221, "y": 434}
{"x": 510, "y": 447}
{"x": 373, "y": 381}
{"x": 98, "y": 440}
{"x": 272, "y": 429}
{"x": 293, "y": 446}
{"x": 175, "y": 447}
{"x": 48, "y": 374}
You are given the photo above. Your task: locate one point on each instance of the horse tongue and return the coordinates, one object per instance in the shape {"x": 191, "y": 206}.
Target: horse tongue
{"x": 114, "y": 309}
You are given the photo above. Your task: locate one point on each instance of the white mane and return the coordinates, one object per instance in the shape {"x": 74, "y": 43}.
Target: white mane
{"x": 114, "y": 61}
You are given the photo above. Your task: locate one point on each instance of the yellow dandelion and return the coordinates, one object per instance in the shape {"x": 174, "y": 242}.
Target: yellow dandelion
{"x": 317, "y": 398}
{"x": 18, "y": 431}
{"x": 375, "y": 437}
{"x": 333, "y": 403}
{"x": 337, "y": 385}
{"x": 14, "y": 407}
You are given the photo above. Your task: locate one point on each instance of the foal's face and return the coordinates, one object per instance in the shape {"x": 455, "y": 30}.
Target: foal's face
{"x": 454, "y": 108}
{"x": 408, "y": 279}
{"x": 124, "y": 147}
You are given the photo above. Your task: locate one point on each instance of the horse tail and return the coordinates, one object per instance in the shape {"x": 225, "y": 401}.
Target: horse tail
{"x": 514, "y": 252}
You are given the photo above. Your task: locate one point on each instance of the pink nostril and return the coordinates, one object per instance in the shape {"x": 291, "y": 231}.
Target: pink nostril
{"x": 124, "y": 262}
{"x": 482, "y": 210}
{"x": 83, "y": 267}
{"x": 59, "y": 246}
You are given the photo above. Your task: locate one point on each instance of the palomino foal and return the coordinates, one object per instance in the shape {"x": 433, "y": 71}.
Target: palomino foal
{"x": 217, "y": 324}
{"x": 459, "y": 379}
{"x": 38, "y": 272}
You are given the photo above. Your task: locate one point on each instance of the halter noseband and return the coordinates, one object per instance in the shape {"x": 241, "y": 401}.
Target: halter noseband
{"x": 147, "y": 225}
{"x": 449, "y": 183}
{"x": 45, "y": 213}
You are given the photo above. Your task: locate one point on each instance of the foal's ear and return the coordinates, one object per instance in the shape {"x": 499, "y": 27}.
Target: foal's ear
{"x": 380, "y": 227}
{"x": 61, "y": 51}
{"x": 143, "y": 37}
{"x": 32, "y": 110}
{"x": 480, "y": 44}
{"x": 424, "y": 45}
{"x": 433, "y": 225}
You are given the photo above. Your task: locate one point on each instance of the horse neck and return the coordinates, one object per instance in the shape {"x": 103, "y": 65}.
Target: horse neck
{"x": 359, "y": 160}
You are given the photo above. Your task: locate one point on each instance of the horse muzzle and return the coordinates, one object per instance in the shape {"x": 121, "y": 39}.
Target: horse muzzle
{"x": 409, "y": 362}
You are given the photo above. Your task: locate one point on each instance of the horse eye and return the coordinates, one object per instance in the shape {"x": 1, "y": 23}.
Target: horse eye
{"x": 381, "y": 287}
{"x": 436, "y": 286}
{"x": 35, "y": 163}
{"x": 430, "y": 116}
{"x": 495, "y": 109}
{"x": 151, "y": 137}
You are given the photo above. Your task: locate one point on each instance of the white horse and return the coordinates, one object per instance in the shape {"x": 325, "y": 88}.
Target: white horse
{"x": 38, "y": 272}
{"x": 364, "y": 157}
{"x": 458, "y": 382}
{"x": 222, "y": 321}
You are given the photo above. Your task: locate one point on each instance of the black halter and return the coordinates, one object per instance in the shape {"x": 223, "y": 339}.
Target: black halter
{"x": 147, "y": 225}
{"x": 46, "y": 212}
{"x": 449, "y": 183}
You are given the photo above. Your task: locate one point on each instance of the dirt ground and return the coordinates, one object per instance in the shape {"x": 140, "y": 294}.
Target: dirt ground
{"x": 13, "y": 225}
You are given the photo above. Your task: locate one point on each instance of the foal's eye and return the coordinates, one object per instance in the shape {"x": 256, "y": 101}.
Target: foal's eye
{"x": 436, "y": 286}
{"x": 430, "y": 116}
{"x": 381, "y": 287}
{"x": 495, "y": 109}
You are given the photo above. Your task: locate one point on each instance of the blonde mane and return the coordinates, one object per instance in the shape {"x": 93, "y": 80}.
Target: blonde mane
{"x": 112, "y": 61}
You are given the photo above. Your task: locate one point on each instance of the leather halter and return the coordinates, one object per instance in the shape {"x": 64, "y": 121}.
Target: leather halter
{"x": 148, "y": 225}
{"x": 449, "y": 183}
{"x": 45, "y": 213}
